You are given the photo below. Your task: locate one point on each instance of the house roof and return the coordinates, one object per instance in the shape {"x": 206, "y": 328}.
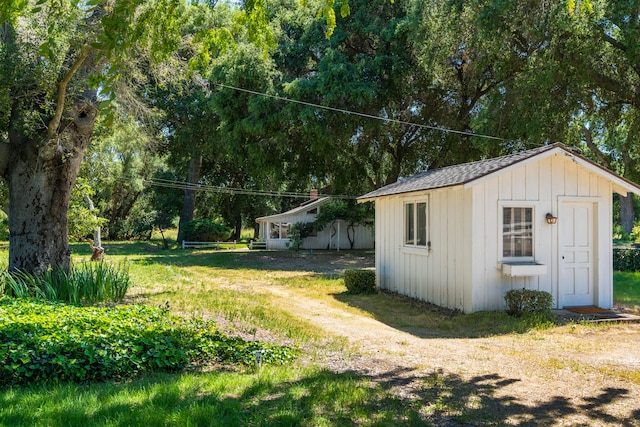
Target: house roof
{"x": 468, "y": 173}
{"x": 306, "y": 206}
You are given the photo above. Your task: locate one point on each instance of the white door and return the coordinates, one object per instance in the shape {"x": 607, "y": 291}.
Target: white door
{"x": 577, "y": 253}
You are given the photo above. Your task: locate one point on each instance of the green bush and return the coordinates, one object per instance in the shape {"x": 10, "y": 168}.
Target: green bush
{"x": 204, "y": 230}
{"x": 626, "y": 259}
{"x": 297, "y": 233}
{"x": 619, "y": 233}
{"x": 88, "y": 282}
{"x": 528, "y": 302}
{"x": 360, "y": 281}
{"x": 4, "y": 226}
{"x": 44, "y": 342}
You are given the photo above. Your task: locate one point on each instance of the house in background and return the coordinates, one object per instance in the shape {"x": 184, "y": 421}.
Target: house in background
{"x": 462, "y": 236}
{"x": 274, "y": 229}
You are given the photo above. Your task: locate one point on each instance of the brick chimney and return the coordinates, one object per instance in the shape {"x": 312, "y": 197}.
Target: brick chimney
{"x": 313, "y": 194}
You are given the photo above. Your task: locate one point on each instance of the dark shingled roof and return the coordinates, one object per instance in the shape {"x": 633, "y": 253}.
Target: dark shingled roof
{"x": 457, "y": 174}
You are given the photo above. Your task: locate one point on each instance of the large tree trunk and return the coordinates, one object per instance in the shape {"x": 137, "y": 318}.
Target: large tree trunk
{"x": 189, "y": 204}
{"x": 40, "y": 175}
{"x": 627, "y": 213}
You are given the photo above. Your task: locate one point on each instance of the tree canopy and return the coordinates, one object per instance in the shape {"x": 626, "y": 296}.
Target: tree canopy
{"x": 268, "y": 96}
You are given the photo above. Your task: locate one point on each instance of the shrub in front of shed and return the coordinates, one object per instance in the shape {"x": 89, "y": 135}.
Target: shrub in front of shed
{"x": 522, "y": 302}
{"x": 360, "y": 281}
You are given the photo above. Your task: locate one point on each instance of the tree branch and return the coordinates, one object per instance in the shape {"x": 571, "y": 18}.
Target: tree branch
{"x": 614, "y": 42}
{"x": 62, "y": 93}
{"x": 593, "y": 147}
{"x": 623, "y": 48}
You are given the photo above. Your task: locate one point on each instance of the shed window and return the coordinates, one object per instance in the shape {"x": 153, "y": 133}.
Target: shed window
{"x": 517, "y": 232}
{"x": 415, "y": 224}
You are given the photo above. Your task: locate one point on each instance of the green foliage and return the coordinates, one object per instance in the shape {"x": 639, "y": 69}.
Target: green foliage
{"x": 83, "y": 221}
{"x": 85, "y": 283}
{"x": 626, "y": 259}
{"x": 626, "y": 289}
{"x": 124, "y": 156}
{"x": 360, "y": 281}
{"x": 204, "y": 230}
{"x": 297, "y": 233}
{"x": 4, "y": 226}
{"x": 528, "y": 302}
{"x": 350, "y": 212}
{"x": 619, "y": 234}
{"x": 48, "y": 342}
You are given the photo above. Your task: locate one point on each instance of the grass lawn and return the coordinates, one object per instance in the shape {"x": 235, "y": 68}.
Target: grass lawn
{"x": 626, "y": 290}
{"x": 274, "y": 396}
{"x": 224, "y": 286}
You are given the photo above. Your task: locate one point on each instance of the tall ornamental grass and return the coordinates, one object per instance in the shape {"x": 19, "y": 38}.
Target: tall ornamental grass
{"x": 84, "y": 283}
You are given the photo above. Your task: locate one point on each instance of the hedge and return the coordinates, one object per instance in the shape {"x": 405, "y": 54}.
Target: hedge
{"x": 204, "y": 230}
{"x": 626, "y": 259}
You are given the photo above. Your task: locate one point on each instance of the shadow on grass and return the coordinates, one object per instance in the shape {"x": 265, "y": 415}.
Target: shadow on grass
{"x": 318, "y": 398}
{"x": 425, "y": 320}
{"x": 326, "y": 262}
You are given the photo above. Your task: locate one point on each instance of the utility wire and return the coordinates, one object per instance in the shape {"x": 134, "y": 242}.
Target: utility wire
{"x": 356, "y": 113}
{"x": 180, "y": 185}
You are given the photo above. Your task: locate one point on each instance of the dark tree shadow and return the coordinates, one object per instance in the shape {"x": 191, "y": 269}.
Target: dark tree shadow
{"x": 323, "y": 262}
{"x": 323, "y": 398}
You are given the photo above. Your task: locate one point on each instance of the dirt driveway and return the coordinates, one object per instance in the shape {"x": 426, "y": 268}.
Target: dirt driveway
{"x": 573, "y": 375}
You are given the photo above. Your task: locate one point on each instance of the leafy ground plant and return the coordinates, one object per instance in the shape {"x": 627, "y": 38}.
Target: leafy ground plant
{"x": 44, "y": 342}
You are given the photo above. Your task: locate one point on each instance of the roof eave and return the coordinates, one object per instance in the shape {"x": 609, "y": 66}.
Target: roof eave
{"x": 621, "y": 185}
{"x": 295, "y": 210}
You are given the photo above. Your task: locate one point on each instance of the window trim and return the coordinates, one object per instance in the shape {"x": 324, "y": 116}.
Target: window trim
{"x": 415, "y": 202}
{"x": 533, "y": 205}
{"x": 279, "y": 225}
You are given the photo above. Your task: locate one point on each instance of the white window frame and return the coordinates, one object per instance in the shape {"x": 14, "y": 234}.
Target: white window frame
{"x": 516, "y": 204}
{"x": 415, "y": 225}
{"x": 278, "y": 224}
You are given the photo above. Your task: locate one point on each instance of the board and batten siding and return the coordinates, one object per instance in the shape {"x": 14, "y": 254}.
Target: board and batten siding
{"x": 437, "y": 275}
{"x": 462, "y": 269}
{"x": 363, "y": 239}
{"x": 542, "y": 184}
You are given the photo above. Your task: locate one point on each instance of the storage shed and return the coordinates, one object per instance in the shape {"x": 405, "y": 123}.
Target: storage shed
{"x": 462, "y": 236}
{"x": 274, "y": 229}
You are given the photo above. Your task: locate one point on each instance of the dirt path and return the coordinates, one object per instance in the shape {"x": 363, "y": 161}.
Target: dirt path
{"x": 572, "y": 376}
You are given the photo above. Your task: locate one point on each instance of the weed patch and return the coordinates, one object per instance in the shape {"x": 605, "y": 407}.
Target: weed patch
{"x": 44, "y": 342}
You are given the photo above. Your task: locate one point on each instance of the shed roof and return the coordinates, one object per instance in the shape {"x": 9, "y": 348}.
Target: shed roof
{"x": 467, "y": 173}
{"x": 306, "y": 206}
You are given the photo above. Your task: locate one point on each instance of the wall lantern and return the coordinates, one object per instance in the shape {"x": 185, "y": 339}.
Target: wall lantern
{"x": 551, "y": 219}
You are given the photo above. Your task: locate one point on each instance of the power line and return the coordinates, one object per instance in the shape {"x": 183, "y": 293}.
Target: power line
{"x": 181, "y": 185}
{"x": 356, "y": 113}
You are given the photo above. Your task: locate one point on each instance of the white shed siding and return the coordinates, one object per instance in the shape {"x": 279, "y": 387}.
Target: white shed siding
{"x": 542, "y": 184}
{"x": 439, "y": 275}
{"x": 463, "y": 267}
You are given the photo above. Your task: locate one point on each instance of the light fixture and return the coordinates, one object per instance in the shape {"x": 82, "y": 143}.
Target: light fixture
{"x": 551, "y": 219}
